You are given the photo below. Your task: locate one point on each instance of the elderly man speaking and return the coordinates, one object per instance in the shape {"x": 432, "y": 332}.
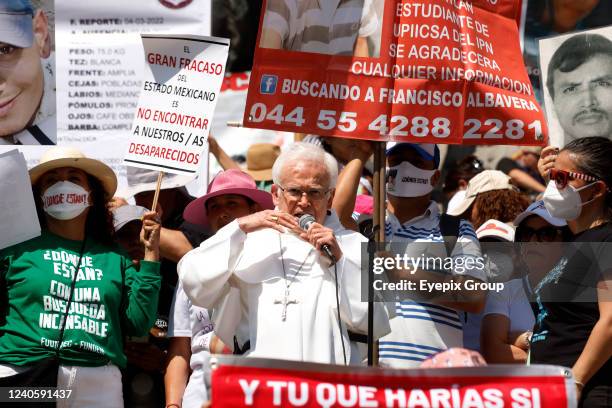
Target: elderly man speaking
{"x": 290, "y": 299}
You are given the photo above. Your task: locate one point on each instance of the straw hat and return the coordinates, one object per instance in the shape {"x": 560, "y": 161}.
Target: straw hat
{"x": 64, "y": 156}
{"x": 260, "y": 158}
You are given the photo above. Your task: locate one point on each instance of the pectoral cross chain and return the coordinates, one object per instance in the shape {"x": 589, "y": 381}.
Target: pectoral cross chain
{"x": 285, "y": 301}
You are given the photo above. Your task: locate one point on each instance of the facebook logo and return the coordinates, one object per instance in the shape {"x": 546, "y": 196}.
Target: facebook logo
{"x": 268, "y": 84}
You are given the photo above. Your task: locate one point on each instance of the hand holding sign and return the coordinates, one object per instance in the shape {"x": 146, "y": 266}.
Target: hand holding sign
{"x": 149, "y": 235}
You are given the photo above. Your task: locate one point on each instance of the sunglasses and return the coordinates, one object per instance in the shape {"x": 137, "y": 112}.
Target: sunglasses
{"x": 562, "y": 177}
{"x": 544, "y": 234}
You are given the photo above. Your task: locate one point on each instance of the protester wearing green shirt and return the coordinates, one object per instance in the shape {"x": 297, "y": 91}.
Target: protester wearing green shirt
{"x": 109, "y": 298}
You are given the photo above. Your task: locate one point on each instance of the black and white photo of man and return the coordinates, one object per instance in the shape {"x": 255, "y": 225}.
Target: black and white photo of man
{"x": 579, "y": 82}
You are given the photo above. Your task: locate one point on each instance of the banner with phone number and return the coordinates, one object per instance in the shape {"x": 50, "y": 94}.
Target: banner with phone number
{"x": 425, "y": 71}
{"x": 242, "y": 382}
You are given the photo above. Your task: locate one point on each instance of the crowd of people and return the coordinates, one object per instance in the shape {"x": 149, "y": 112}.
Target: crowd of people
{"x": 267, "y": 263}
{"x": 123, "y": 302}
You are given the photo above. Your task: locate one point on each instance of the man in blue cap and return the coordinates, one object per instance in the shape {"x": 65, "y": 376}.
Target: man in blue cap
{"x": 27, "y": 86}
{"x": 426, "y": 321}
{"x": 421, "y": 329}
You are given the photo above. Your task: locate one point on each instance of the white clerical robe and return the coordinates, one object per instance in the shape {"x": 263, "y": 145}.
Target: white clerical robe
{"x": 240, "y": 276}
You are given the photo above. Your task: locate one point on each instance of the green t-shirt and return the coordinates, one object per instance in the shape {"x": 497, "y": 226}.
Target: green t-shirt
{"x": 112, "y": 299}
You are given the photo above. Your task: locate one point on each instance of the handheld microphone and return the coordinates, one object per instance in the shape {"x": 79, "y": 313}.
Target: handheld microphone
{"x": 305, "y": 222}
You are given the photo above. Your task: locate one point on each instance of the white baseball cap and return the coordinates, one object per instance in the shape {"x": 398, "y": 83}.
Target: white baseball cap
{"x": 16, "y": 23}
{"x": 497, "y": 229}
{"x": 538, "y": 208}
{"x": 127, "y": 213}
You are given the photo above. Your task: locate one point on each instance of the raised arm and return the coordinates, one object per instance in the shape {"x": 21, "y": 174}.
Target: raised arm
{"x": 348, "y": 184}
{"x": 142, "y": 286}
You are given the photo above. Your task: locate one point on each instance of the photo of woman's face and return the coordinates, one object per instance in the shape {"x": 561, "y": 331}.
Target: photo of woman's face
{"x": 22, "y": 79}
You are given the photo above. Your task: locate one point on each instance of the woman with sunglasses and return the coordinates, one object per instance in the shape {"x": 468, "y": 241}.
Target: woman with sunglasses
{"x": 574, "y": 322}
{"x": 508, "y": 317}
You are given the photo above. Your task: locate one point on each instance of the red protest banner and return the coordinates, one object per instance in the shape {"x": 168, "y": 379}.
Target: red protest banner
{"x": 441, "y": 71}
{"x": 242, "y": 382}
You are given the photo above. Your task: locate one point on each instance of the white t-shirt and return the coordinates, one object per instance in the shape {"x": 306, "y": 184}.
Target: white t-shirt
{"x": 511, "y": 302}
{"x": 187, "y": 320}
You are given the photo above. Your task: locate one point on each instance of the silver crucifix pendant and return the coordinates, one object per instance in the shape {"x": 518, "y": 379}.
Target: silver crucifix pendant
{"x": 285, "y": 301}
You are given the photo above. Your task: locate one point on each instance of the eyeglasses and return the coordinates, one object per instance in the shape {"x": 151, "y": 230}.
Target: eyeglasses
{"x": 314, "y": 194}
{"x": 562, "y": 177}
{"x": 544, "y": 234}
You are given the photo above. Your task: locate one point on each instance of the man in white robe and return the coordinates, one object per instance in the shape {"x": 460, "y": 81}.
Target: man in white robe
{"x": 269, "y": 282}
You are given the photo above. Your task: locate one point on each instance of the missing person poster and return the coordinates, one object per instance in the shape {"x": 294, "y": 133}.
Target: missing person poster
{"x": 99, "y": 65}
{"x": 543, "y": 20}
{"x": 252, "y": 382}
{"x": 577, "y": 82}
{"x": 27, "y": 73}
{"x": 437, "y": 71}
{"x": 174, "y": 114}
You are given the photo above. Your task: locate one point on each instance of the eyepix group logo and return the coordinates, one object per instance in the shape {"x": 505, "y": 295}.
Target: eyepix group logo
{"x": 175, "y": 4}
{"x": 268, "y": 84}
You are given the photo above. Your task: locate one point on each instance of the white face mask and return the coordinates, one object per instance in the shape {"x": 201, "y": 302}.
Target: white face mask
{"x": 406, "y": 180}
{"x": 565, "y": 204}
{"x": 65, "y": 200}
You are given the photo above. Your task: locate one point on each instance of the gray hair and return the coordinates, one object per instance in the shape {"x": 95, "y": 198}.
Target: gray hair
{"x": 300, "y": 151}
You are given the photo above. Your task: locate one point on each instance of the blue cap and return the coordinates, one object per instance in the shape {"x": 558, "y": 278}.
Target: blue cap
{"x": 428, "y": 151}
{"x": 16, "y": 23}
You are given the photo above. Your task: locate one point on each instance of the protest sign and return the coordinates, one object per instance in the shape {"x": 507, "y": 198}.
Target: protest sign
{"x": 438, "y": 71}
{"x": 18, "y": 218}
{"x": 177, "y": 101}
{"x": 250, "y": 382}
{"x": 576, "y": 77}
{"x": 230, "y": 108}
{"x": 542, "y": 21}
{"x": 99, "y": 63}
{"x": 100, "y": 59}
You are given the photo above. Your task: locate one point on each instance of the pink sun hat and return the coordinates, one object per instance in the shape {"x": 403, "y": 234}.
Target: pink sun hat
{"x": 232, "y": 181}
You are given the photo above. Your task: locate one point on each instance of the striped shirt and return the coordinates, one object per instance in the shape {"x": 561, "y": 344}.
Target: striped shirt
{"x": 420, "y": 329}
{"x": 321, "y": 26}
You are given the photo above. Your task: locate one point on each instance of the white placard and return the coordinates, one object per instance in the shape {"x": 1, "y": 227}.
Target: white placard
{"x": 18, "y": 218}
{"x": 180, "y": 89}
{"x": 100, "y": 60}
